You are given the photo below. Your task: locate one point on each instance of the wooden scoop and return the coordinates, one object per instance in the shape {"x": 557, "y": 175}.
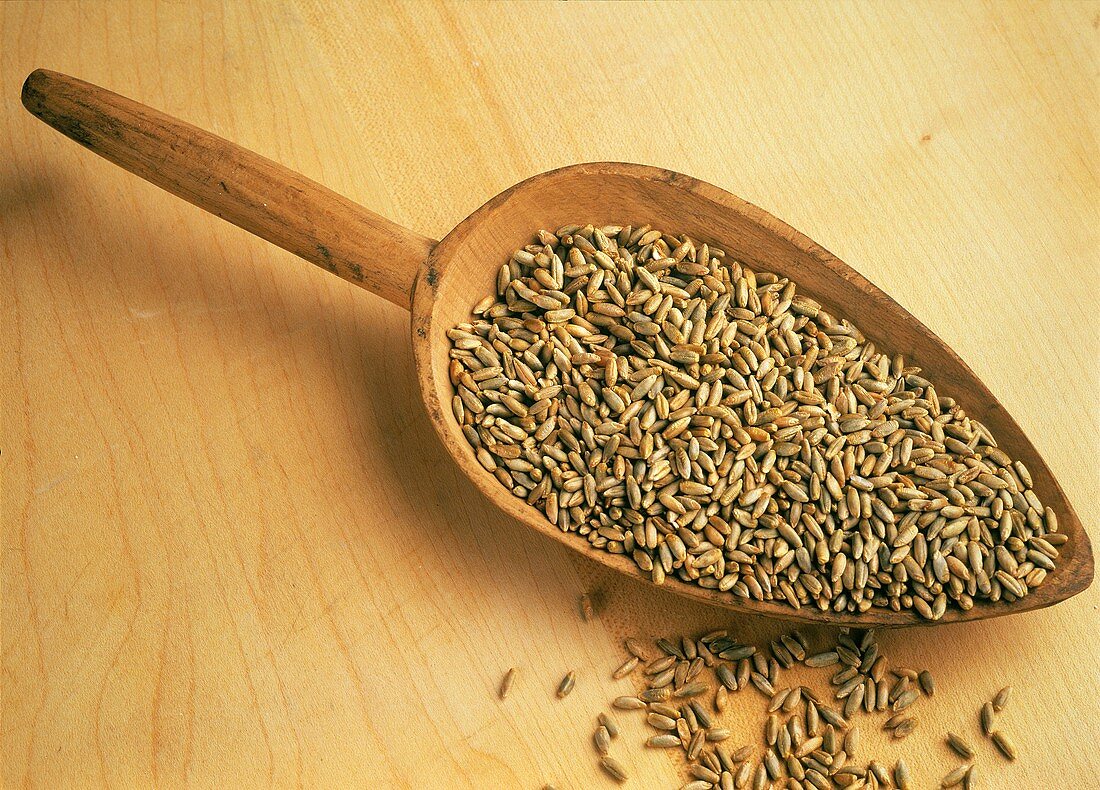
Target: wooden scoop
{"x": 441, "y": 281}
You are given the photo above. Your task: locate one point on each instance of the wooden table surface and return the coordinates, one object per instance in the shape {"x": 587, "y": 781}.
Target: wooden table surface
{"x": 234, "y": 553}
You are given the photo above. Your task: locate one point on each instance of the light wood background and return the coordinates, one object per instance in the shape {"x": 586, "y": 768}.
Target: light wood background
{"x": 233, "y": 553}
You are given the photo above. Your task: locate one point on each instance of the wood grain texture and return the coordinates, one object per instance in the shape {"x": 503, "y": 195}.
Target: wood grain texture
{"x": 235, "y": 556}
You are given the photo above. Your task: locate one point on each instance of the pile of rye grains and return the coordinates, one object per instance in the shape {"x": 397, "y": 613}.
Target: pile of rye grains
{"x": 659, "y": 399}
{"x": 805, "y": 742}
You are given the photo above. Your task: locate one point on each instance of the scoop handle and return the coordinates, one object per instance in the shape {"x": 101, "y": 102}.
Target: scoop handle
{"x": 242, "y": 187}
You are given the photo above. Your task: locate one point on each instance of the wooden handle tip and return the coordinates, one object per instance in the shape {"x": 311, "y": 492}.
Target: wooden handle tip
{"x": 36, "y": 88}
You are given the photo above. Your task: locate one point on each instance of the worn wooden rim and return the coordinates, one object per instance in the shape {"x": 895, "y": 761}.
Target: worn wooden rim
{"x": 1074, "y": 571}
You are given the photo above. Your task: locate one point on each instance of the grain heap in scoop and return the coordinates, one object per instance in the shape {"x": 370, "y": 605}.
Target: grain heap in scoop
{"x": 661, "y": 400}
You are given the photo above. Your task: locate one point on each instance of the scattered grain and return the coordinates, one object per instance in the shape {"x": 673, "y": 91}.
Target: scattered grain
{"x": 506, "y": 682}
{"x": 567, "y": 684}
{"x": 986, "y": 718}
{"x": 602, "y": 740}
{"x": 587, "y": 612}
{"x": 955, "y": 778}
{"x": 613, "y": 768}
{"x": 1003, "y": 744}
{"x": 625, "y": 668}
{"x": 960, "y": 746}
{"x": 901, "y": 776}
